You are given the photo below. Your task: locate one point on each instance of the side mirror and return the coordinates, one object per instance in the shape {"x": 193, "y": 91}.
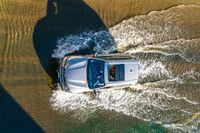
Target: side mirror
{"x": 95, "y": 55}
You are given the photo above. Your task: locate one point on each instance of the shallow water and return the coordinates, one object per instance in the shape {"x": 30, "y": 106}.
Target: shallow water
{"x": 162, "y": 35}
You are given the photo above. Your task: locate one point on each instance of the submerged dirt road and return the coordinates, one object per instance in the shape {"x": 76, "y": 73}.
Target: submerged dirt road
{"x": 28, "y": 34}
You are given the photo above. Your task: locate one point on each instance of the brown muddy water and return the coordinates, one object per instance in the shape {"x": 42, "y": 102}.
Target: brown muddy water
{"x": 164, "y": 35}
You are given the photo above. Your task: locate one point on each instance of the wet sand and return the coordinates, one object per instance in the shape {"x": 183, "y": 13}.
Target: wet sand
{"x": 24, "y": 77}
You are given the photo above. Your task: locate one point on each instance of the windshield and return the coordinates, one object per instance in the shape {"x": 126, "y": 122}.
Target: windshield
{"x": 95, "y": 73}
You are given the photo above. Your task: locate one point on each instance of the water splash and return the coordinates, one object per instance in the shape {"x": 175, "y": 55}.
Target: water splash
{"x": 142, "y": 100}
{"x": 95, "y": 42}
{"x": 145, "y": 104}
{"x": 152, "y": 71}
{"x": 155, "y": 39}
{"x": 165, "y": 32}
{"x": 190, "y": 124}
{"x": 192, "y": 77}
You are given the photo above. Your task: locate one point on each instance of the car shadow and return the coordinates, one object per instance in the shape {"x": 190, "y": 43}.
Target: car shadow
{"x": 64, "y": 17}
{"x": 13, "y": 119}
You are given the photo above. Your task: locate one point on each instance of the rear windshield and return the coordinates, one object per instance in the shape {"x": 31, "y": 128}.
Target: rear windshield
{"x": 95, "y": 73}
{"x": 116, "y": 72}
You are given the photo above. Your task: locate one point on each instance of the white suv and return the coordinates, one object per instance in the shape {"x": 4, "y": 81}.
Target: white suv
{"x": 86, "y": 73}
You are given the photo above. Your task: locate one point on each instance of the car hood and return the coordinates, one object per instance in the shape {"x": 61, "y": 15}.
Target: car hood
{"x": 76, "y": 73}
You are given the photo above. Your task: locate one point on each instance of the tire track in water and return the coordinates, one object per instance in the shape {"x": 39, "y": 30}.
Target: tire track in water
{"x": 154, "y": 28}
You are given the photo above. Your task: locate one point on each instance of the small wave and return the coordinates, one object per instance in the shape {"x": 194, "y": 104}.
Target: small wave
{"x": 187, "y": 50}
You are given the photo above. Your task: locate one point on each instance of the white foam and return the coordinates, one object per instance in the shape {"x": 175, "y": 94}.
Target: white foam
{"x": 130, "y": 103}
{"x": 190, "y": 76}
{"x": 95, "y": 42}
{"x": 151, "y": 70}
{"x": 157, "y": 32}
{"x": 189, "y": 128}
{"x": 145, "y": 102}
